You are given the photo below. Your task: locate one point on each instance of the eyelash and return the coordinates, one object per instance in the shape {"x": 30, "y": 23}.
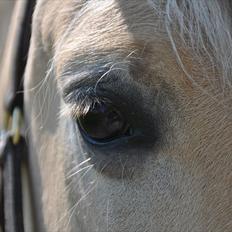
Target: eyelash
{"x": 78, "y": 103}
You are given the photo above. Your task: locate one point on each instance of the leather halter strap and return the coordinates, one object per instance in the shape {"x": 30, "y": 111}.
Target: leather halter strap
{"x": 13, "y": 147}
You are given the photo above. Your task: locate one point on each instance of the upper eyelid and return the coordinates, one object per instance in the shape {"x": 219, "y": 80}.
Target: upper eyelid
{"x": 71, "y": 83}
{"x": 79, "y": 92}
{"x": 89, "y": 77}
{"x": 87, "y": 83}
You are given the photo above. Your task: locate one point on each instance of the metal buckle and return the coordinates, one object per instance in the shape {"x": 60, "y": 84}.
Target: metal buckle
{"x": 16, "y": 125}
{"x": 12, "y": 125}
{"x": 4, "y": 134}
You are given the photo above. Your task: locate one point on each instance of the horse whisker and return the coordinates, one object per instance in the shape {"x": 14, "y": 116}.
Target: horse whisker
{"x": 80, "y": 170}
{"x": 80, "y": 164}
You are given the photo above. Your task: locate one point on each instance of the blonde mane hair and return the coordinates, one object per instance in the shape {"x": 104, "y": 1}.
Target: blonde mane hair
{"x": 204, "y": 27}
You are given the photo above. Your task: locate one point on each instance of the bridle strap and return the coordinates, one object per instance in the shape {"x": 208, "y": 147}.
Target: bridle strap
{"x": 13, "y": 145}
{"x": 12, "y": 187}
{"x": 14, "y": 97}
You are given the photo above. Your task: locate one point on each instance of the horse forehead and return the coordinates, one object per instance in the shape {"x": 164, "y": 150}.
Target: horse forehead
{"x": 88, "y": 17}
{"x": 97, "y": 30}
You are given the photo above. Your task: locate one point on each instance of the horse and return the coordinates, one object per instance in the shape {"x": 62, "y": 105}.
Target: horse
{"x": 128, "y": 115}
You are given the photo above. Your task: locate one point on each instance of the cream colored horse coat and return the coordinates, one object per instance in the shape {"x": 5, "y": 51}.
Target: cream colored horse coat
{"x": 169, "y": 64}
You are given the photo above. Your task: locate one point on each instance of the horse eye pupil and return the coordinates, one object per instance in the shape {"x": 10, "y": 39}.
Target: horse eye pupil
{"x": 103, "y": 123}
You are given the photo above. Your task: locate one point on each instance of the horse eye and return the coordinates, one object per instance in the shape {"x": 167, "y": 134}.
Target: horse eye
{"x": 103, "y": 123}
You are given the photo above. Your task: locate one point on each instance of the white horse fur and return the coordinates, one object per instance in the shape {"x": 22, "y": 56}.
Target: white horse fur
{"x": 171, "y": 61}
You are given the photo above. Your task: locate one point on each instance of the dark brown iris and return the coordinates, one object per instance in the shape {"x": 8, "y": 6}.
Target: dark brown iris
{"x": 103, "y": 123}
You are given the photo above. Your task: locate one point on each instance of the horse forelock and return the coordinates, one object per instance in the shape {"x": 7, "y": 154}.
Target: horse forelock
{"x": 205, "y": 28}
